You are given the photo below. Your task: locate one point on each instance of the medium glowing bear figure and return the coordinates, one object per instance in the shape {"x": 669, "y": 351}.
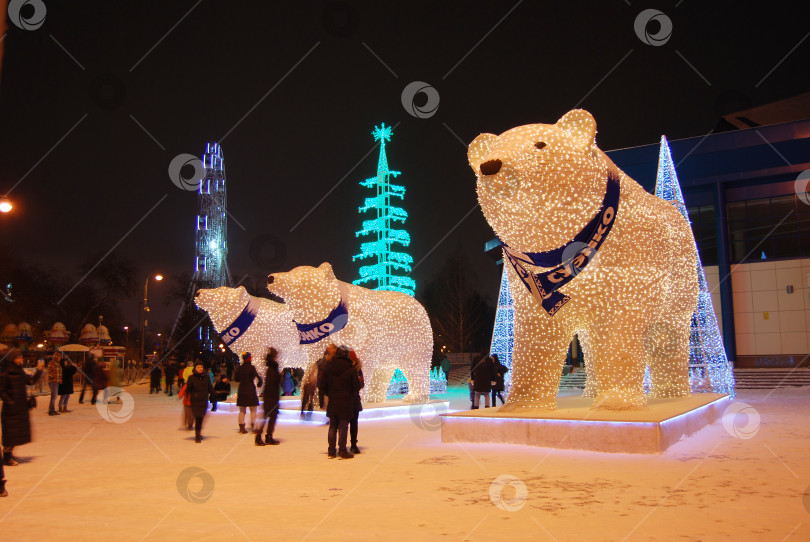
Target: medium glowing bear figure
{"x": 387, "y": 330}
{"x": 588, "y": 252}
{"x": 252, "y": 324}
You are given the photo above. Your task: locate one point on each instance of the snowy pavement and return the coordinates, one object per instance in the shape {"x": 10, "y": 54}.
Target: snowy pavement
{"x": 85, "y": 478}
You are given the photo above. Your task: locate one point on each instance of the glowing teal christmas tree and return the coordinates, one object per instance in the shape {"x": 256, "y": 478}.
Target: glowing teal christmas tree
{"x": 389, "y": 266}
{"x": 706, "y": 344}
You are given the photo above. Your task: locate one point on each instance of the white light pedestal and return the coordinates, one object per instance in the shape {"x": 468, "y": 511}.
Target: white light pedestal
{"x": 575, "y": 425}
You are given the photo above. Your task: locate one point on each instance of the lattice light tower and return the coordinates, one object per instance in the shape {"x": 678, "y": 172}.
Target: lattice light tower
{"x": 211, "y": 264}
{"x": 390, "y": 264}
{"x": 503, "y": 333}
{"x": 705, "y": 345}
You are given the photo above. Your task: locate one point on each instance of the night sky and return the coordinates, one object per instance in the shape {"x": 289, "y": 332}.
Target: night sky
{"x": 96, "y": 102}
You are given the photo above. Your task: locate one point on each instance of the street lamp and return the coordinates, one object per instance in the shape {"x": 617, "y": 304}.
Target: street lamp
{"x": 145, "y": 322}
{"x": 126, "y": 350}
{"x": 5, "y": 205}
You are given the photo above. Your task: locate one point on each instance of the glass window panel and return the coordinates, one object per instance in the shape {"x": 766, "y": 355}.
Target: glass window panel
{"x": 736, "y": 211}
{"x": 786, "y": 247}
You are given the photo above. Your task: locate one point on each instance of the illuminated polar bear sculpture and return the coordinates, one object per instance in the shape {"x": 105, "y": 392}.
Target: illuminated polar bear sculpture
{"x": 588, "y": 252}
{"x": 387, "y": 330}
{"x": 252, "y": 324}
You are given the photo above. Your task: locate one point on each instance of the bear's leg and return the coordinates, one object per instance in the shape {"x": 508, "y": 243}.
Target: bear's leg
{"x": 591, "y": 390}
{"x": 617, "y": 365}
{"x": 541, "y": 344}
{"x": 668, "y": 349}
{"x": 377, "y": 381}
{"x": 417, "y": 371}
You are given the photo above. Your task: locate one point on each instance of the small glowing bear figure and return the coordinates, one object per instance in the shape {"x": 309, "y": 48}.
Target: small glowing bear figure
{"x": 387, "y": 330}
{"x": 588, "y": 252}
{"x": 252, "y": 324}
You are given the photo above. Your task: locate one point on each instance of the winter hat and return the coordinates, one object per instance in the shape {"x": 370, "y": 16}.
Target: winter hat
{"x": 246, "y": 356}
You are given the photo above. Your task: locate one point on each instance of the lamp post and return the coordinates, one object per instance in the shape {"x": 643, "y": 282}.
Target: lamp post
{"x": 145, "y": 322}
{"x": 126, "y": 349}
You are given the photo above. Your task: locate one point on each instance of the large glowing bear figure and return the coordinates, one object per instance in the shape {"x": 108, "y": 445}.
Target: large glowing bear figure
{"x": 588, "y": 252}
{"x": 252, "y": 324}
{"x": 387, "y": 330}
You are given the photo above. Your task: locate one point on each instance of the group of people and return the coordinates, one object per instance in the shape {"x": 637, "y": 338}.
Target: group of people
{"x": 339, "y": 380}
{"x": 486, "y": 379}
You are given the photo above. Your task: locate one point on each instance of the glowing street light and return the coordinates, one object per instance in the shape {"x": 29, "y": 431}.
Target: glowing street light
{"x": 158, "y": 277}
{"x": 5, "y": 205}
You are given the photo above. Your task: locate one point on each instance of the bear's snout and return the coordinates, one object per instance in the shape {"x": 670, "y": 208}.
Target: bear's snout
{"x": 270, "y": 279}
{"x": 491, "y": 167}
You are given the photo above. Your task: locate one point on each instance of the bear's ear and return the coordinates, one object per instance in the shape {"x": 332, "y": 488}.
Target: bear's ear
{"x": 479, "y": 148}
{"x": 326, "y": 269}
{"x": 580, "y": 127}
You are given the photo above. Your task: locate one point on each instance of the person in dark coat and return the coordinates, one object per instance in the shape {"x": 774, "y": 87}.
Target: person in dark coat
{"x": 169, "y": 372}
{"x": 88, "y": 373}
{"x": 321, "y": 366}
{"x": 198, "y": 390}
{"x": 339, "y": 386}
{"x": 154, "y": 379}
{"x": 100, "y": 382}
{"x": 246, "y": 396}
{"x": 222, "y": 389}
{"x": 66, "y": 387}
{"x": 308, "y": 386}
{"x": 500, "y": 370}
{"x": 483, "y": 377}
{"x": 272, "y": 388}
{"x": 357, "y": 402}
{"x": 14, "y": 418}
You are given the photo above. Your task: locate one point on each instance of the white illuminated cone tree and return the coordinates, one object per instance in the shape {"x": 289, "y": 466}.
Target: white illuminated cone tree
{"x": 706, "y": 344}
{"x": 503, "y": 334}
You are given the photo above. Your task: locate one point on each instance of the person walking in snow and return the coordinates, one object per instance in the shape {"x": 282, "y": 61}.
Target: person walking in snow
{"x": 66, "y": 387}
{"x": 54, "y": 380}
{"x": 15, "y": 421}
{"x": 246, "y": 396}
{"x": 198, "y": 389}
{"x": 357, "y": 403}
{"x": 339, "y": 385}
{"x": 272, "y": 388}
{"x": 500, "y": 370}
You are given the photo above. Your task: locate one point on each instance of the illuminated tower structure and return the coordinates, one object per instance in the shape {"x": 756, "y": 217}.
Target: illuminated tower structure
{"x": 389, "y": 266}
{"x": 705, "y": 344}
{"x": 211, "y": 263}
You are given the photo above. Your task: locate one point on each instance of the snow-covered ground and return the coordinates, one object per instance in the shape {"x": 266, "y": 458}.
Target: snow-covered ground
{"x": 85, "y": 478}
